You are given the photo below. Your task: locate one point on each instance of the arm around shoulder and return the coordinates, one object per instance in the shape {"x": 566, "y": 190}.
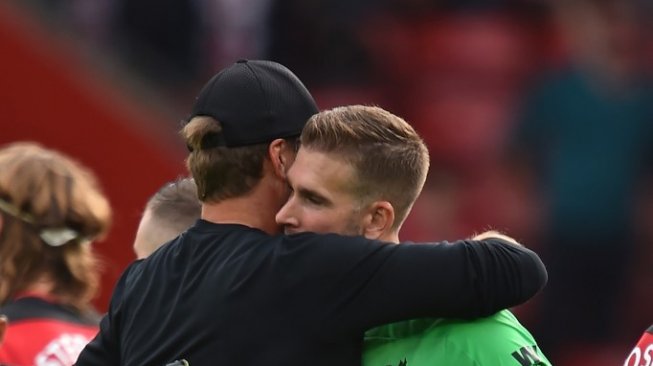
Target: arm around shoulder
{"x": 503, "y": 261}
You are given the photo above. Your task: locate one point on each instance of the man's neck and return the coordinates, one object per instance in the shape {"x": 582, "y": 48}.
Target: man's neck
{"x": 392, "y": 237}
{"x": 255, "y": 210}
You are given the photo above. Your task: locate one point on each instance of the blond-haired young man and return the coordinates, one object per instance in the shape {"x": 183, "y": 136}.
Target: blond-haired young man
{"x": 358, "y": 172}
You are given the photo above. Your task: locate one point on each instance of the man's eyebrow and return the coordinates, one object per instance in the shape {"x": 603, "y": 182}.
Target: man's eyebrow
{"x": 309, "y": 193}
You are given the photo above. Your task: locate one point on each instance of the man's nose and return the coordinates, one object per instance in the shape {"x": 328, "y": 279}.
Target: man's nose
{"x": 285, "y": 216}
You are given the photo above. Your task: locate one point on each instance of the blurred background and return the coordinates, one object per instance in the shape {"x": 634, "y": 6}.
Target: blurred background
{"x": 538, "y": 116}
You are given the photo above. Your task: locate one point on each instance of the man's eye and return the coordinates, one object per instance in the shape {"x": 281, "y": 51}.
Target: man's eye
{"x": 314, "y": 200}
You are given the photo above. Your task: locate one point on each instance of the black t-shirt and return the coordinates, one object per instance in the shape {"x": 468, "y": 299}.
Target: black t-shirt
{"x": 231, "y": 295}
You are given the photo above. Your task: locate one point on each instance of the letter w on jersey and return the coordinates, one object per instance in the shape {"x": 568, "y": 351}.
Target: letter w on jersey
{"x": 527, "y": 356}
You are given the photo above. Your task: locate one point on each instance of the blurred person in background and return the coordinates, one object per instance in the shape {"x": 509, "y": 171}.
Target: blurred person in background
{"x": 161, "y": 40}
{"x": 586, "y": 138}
{"x": 331, "y": 49}
{"x": 51, "y": 209}
{"x": 3, "y": 327}
{"x": 642, "y": 351}
{"x": 340, "y": 184}
{"x": 168, "y": 213}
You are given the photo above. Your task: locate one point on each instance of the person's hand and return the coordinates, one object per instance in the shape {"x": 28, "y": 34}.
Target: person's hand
{"x": 495, "y": 234}
{"x": 3, "y": 327}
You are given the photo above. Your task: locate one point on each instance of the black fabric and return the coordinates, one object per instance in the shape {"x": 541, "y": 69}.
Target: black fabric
{"x": 255, "y": 102}
{"x": 231, "y": 295}
{"x": 30, "y": 308}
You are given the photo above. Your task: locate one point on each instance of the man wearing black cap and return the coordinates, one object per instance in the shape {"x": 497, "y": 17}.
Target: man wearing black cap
{"x": 232, "y": 291}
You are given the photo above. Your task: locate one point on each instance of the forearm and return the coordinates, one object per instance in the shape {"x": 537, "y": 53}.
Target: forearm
{"x": 466, "y": 279}
{"x": 506, "y": 274}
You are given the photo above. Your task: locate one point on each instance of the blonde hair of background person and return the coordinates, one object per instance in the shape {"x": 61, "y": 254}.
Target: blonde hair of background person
{"x": 51, "y": 208}
{"x": 169, "y": 212}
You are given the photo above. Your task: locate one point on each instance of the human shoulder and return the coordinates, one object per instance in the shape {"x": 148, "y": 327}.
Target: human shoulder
{"x": 502, "y": 319}
{"x": 497, "y": 340}
{"x": 399, "y": 330}
{"x": 503, "y": 325}
{"x": 396, "y": 343}
{"x": 38, "y": 309}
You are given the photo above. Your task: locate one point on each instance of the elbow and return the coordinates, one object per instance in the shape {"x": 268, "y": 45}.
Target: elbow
{"x": 534, "y": 277}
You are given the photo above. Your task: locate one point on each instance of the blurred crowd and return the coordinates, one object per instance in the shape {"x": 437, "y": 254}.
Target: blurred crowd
{"x": 538, "y": 116}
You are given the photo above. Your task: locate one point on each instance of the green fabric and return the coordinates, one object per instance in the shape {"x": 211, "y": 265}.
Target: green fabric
{"x": 498, "y": 340}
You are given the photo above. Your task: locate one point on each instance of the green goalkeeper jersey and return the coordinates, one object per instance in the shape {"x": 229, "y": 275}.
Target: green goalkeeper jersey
{"x": 498, "y": 340}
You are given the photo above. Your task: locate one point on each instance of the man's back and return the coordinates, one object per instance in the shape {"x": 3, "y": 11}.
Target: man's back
{"x": 220, "y": 300}
{"x": 232, "y": 295}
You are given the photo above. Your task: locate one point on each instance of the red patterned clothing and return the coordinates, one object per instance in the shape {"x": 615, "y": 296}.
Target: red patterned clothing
{"x": 43, "y": 333}
{"x": 642, "y": 354}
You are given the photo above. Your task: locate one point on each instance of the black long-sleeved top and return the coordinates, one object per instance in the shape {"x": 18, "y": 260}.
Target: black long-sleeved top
{"x": 231, "y": 295}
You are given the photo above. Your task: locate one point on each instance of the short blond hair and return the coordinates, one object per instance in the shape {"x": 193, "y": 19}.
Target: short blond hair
{"x": 42, "y": 189}
{"x": 389, "y": 158}
{"x": 169, "y": 212}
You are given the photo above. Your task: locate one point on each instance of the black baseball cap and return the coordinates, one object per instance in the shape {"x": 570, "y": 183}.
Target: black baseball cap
{"x": 255, "y": 101}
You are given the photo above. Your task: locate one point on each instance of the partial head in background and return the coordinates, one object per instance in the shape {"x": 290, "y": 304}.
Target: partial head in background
{"x": 609, "y": 39}
{"x": 51, "y": 208}
{"x": 242, "y": 133}
{"x": 169, "y": 212}
{"x": 358, "y": 171}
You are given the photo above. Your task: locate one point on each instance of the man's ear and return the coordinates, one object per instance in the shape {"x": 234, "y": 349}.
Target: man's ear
{"x": 379, "y": 220}
{"x": 281, "y": 156}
